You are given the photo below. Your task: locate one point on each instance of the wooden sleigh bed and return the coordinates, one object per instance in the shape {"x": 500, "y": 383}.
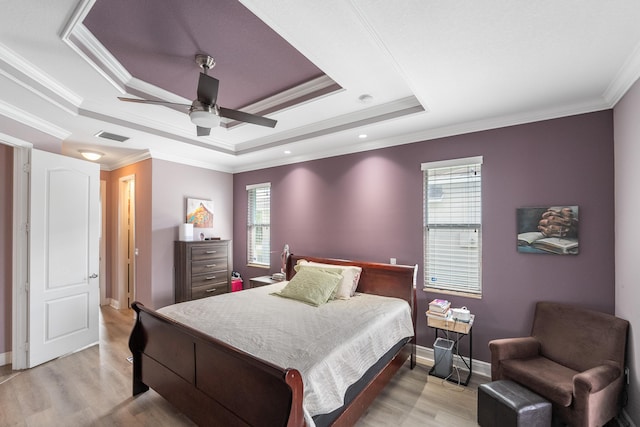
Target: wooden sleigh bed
{"x": 215, "y": 384}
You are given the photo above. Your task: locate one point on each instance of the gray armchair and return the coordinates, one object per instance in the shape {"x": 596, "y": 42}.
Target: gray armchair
{"x": 575, "y": 358}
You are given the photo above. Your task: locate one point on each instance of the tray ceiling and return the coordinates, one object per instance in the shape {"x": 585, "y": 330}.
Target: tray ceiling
{"x": 328, "y": 71}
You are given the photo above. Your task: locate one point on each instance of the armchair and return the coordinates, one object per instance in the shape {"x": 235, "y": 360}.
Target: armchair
{"x": 574, "y": 358}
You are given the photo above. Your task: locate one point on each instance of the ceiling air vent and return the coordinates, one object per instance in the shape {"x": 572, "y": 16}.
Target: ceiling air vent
{"x": 112, "y": 136}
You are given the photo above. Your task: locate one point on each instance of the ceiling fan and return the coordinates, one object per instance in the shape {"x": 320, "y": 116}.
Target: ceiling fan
{"x": 203, "y": 111}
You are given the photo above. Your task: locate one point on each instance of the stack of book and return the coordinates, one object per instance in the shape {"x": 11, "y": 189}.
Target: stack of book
{"x": 439, "y": 308}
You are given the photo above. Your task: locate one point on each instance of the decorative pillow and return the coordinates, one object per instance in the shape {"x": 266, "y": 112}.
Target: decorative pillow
{"x": 350, "y": 276}
{"x": 312, "y": 286}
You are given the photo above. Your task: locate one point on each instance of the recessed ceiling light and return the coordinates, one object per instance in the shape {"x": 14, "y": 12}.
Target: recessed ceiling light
{"x": 362, "y": 136}
{"x": 91, "y": 155}
{"x": 365, "y": 98}
{"x": 287, "y": 152}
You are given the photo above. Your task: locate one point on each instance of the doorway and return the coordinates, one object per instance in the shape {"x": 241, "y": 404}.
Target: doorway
{"x": 126, "y": 242}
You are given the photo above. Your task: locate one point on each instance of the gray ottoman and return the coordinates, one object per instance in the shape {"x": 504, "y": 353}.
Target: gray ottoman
{"x": 505, "y": 403}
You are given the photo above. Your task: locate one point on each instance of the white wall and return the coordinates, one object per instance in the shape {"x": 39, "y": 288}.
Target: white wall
{"x": 627, "y": 232}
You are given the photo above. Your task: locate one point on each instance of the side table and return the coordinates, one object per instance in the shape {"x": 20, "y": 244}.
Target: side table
{"x": 443, "y": 328}
{"x": 255, "y": 282}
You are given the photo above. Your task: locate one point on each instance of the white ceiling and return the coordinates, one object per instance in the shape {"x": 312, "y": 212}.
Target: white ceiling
{"x": 432, "y": 68}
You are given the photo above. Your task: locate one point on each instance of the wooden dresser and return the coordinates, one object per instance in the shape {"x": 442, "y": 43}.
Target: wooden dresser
{"x": 202, "y": 269}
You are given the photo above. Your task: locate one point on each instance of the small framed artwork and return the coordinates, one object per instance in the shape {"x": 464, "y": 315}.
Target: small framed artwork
{"x": 548, "y": 230}
{"x": 200, "y": 214}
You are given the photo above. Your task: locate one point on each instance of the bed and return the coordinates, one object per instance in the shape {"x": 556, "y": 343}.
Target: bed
{"x": 216, "y": 383}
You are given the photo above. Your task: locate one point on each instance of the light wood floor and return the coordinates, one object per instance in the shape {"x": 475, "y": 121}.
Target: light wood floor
{"x": 93, "y": 388}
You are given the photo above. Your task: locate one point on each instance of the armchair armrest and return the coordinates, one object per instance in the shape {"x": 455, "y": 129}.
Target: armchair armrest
{"x": 511, "y": 348}
{"x": 597, "y": 378}
{"x": 514, "y": 348}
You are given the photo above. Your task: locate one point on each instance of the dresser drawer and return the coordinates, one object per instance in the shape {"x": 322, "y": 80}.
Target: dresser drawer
{"x": 204, "y": 252}
{"x": 209, "y": 266}
{"x": 209, "y": 291}
{"x": 210, "y": 279}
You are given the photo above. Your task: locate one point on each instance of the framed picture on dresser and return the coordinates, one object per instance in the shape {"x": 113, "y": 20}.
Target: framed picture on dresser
{"x": 199, "y": 212}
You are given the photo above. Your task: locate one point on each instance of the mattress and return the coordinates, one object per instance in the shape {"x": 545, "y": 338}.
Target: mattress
{"x": 331, "y": 346}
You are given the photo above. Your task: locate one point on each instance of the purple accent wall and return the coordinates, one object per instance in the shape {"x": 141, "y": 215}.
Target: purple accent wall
{"x": 368, "y": 206}
{"x": 6, "y": 245}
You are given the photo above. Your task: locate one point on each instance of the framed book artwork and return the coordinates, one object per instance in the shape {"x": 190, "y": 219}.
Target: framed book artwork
{"x": 548, "y": 230}
{"x": 200, "y": 214}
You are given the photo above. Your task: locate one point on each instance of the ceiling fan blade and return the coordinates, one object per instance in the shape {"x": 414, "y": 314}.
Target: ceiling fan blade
{"x": 247, "y": 117}
{"x": 203, "y": 131}
{"x": 207, "y": 89}
{"x": 151, "y": 101}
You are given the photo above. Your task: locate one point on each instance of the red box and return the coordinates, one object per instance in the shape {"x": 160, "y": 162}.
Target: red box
{"x": 236, "y": 285}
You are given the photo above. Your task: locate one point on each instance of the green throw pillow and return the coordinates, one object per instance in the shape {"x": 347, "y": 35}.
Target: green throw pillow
{"x": 311, "y": 286}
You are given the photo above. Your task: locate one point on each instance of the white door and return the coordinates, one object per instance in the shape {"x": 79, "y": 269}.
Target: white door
{"x": 64, "y": 292}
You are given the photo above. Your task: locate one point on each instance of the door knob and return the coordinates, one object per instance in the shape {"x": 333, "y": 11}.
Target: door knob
{"x": 93, "y": 276}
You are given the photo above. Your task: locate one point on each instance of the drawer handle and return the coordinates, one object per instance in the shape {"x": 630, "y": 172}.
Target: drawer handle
{"x": 210, "y": 265}
{"x": 211, "y": 252}
{"x": 210, "y": 278}
{"x": 211, "y": 290}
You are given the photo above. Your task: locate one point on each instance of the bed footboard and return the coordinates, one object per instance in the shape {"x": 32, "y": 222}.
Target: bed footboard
{"x": 208, "y": 380}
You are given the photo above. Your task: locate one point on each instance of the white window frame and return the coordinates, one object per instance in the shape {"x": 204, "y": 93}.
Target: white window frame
{"x": 258, "y": 255}
{"x": 452, "y": 228}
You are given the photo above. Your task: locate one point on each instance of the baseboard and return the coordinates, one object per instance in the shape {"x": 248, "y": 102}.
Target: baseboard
{"x": 114, "y": 303}
{"x": 425, "y": 356}
{"x": 5, "y": 358}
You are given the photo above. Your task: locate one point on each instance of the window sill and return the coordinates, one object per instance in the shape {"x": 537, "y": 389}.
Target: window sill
{"x": 266, "y": 267}
{"x": 456, "y": 293}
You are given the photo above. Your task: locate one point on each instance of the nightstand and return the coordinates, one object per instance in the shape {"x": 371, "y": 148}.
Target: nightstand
{"x": 254, "y": 282}
{"x": 442, "y": 328}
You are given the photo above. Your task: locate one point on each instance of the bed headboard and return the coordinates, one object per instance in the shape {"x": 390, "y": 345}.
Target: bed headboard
{"x": 389, "y": 280}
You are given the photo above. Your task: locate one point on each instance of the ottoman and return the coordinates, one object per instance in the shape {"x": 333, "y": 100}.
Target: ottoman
{"x": 505, "y": 403}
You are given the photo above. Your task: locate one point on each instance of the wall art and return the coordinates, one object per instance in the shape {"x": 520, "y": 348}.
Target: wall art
{"x": 548, "y": 230}
{"x": 200, "y": 214}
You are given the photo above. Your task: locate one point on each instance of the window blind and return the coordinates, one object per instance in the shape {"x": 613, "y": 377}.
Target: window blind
{"x": 453, "y": 225}
{"x": 259, "y": 224}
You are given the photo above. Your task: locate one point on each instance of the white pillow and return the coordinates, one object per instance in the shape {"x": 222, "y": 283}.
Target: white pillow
{"x": 350, "y": 277}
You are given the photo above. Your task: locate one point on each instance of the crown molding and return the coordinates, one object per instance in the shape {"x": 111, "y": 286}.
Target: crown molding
{"x": 81, "y": 41}
{"x": 311, "y": 90}
{"x": 13, "y": 141}
{"x": 32, "y": 121}
{"x": 157, "y": 131}
{"x": 127, "y": 160}
{"x": 441, "y": 132}
{"x": 27, "y": 75}
{"x": 398, "y": 108}
{"x": 77, "y": 16}
{"x": 190, "y": 162}
{"x": 625, "y": 77}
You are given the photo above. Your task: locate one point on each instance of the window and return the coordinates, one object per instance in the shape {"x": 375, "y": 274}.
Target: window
{"x": 453, "y": 225}
{"x": 259, "y": 224}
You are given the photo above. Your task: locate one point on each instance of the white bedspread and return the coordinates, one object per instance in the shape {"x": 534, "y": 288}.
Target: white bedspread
{"x": 332, "y": 345}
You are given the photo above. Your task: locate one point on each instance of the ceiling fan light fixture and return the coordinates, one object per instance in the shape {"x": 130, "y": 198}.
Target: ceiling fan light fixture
{"x": 205, "y": 119}
{"x": 91, "y": 155}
